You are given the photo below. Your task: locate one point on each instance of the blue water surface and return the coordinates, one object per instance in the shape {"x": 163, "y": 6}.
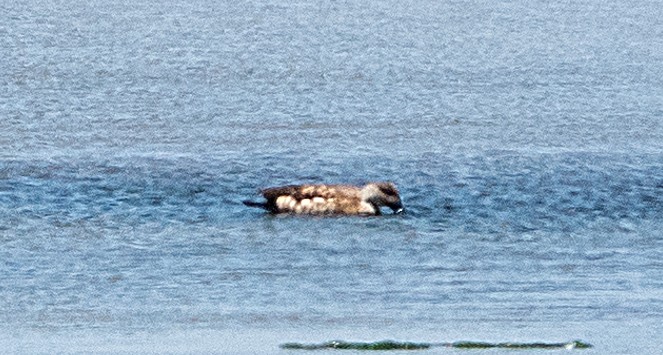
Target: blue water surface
{"x": 525, "y": 137}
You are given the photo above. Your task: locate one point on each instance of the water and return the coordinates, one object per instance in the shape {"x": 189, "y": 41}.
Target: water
{"x": 525, "y": 137}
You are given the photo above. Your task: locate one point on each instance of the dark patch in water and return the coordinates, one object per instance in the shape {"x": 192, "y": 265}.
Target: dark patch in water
{"x": 343, "y": 345}
{"x": 395, "y": 345}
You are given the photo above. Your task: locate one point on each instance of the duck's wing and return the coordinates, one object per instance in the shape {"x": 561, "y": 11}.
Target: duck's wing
{"x": 301, "y": 192}
{"x": 272, "y": 193}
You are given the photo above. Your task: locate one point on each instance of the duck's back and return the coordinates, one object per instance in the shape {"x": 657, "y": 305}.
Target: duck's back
{"x": 317, "y": 199}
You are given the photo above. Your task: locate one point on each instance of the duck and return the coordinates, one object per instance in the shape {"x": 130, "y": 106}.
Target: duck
{"x": 325, "y": 199}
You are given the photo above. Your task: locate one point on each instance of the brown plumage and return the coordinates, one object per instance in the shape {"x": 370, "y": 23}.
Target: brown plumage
{"x": 330, "y": 199}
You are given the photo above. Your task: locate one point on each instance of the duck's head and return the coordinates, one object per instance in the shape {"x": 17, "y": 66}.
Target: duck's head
{"x": 383, "y": 194}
